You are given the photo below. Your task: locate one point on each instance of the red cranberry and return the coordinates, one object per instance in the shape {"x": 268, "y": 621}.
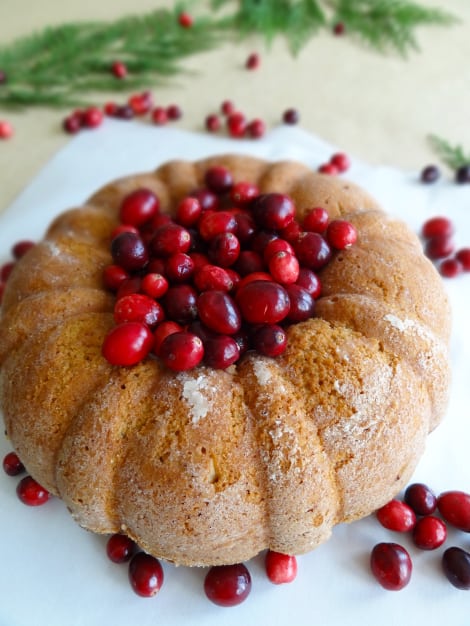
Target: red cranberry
{"x": 123, "y": 228}
{"x": 188, "y": 211}
{"x": 429, "y": 533}
{"x": 263, "y": 302}
{"x": 270, "y": 340}
{"x": 127, "y": 344}
{"x": 253, "y": 61}
{"x": 253, "y": 277}
{"x": 437, "y": 227}
{"x": 6, "y": 129}
{"x": 456, "y": 566}
{"x": 243, "y": 193}
{"x": 174, "y": 112}
{"x": 180, "y": 303}
{"x": 218, "y": 179}
{"x": 129, "y": 252}
{"x": 236, "y": 125}
{"x": 114, "y": 276}
{"x": 450, "y": 268}
{"x": 339, "y": 29}
{"x": 224, "y": 249}
{"x": 141, "y": 103}
{"x": 291, "y": 116}
{"x": 12, "y": 464}
{"x": 261, "y": 239}
{"x": 129, "y": 286}
{"x": 199, "y": 260}
{"x": 329, "y": 169}
{"x": 273, "y": 210}
{"x": 249, "y": 262}
{"x": 5, "y": 270}
{"x": 170, "y": 238}
{"x": 439, "y": 247}
{"x": 221, "y": 351}
{"x": 227, "y": 585}
{"x": 212, "y": 277}
{"x": 124, "y": 112}
{"x": 312, "y": 250}
{"x": 309, "y": 281}
{"x": 213, "y": 123}
{"x": 462, "y": 174}
{"x": 291, "y": 232}
{"x": 185, "y": 19}
{"x": 430, "y": 174}
{"x": 284, "y": 268}
{"x": 110, "y": 109}
{"x": 161, "y": 333}
{"x": 21, "y": 248}
{"x": 280, "y": 568}
{"x": 454, "y": 506}
{"x": 92, "y": 117}
{"x": 145, "y": 575}
{"x": 341, "y": 234}
{"x": 316, "y": 220}
{"x": 181, "y": 351}
{"x": 341, "y": 161}
{"x": 138, "y": 207}
{"x": 256, "y": 128}
{"x": 391, "y": 566}
{"x": 120, "y": 548}
{"x": 154, "y": 285}
{"x": 119, "y": 69}
{"x": 218, "y": 311}
{"x": 227, "y": 107}
{"x": 421, "y": 499}
{"x": 31, "y": 493}
{"x": 275, "y": 246}
{"x": 138, "y": 307}
{"x": 301, "y": 304}
{"x": 246, "y": 227}
{"x": 159, "y": 116}
{"x": 463, "y": 256}
{"x": 72, "y": 124}
{"x": 397, "y": 515}
{"x": 179, "y": 267}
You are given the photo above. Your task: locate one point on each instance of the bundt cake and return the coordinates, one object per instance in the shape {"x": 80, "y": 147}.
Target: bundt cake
{"x": 210, "y": 466}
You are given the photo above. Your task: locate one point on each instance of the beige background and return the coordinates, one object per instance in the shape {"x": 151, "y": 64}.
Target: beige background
{"x": 379, "y": 108}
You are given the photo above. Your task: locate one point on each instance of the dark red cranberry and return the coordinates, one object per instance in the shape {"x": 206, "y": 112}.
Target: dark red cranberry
{"x": 439, "y": 247}
{"x": 12, "y": 464}
{"x": 224, "y": 249}
{"x": 31, "y": 493}
{"x": 291, "y": 116}
{"x": 429, "y": 533}
{"x": 253, "y": 277}
{"x": 5, "y": 270}
{"x": 119, "y": 69}
{"x": 463, "y": 256}
{"x": 301, "y": 303}
{"x": 212, "y": 277}
{"x": 129, "y": 252}
{"x": 179, "y": 267}
{"x": 248, "y": 262}
{"x": 263, "y": 302}
{"x": 199, "y": 260}
{"x": 270, "y": 340}
{"x": 309, "y": 281}
{"x": 256, "y": 128}
{"x": 218, "y": 179}
{"x": 341, "y": 161}
{"x": 339, "y": 29}
{"x": 430, "y": 174}
{"x": 161, "y": 333}
{"x": 391, "y": 566}
{"x": 273, "y": 210}
{"x": 316, "y": 220}
{"x": 21, "y": 248}
{"x": 180, "y": 303}
{"x": 139, "y": 207}
{"x": 124, "y": 112}
{"x": 437, "y": 227}
{"x": 329, "y": 169}
{"x": 261, "y": 239}
{"x": 397, "y": 515}
{"x": 120, "y": 548}
{"x": 421, "y": 499}
{"x": 127, "y": 344}
{"x": 291, "y": 232}
{"x": 456, "y": 566}
{"x": 243, "y": 193}
{"x": 174, "y": 112}
{"x": 227, "y": 585}
{"x": 129, "y": 286}
{"x": 462, "y": 174}
{"x": 246, "y": 227}
{"x": 236, "y": 125}
{"x": 242, "y": 340}
{"x": 280, "y": 568}
{"x": 145, "y": 575}
{"x": 181, "y": 351}
{"x": 218, "y": 311}
{"x": 221, "y": 351}
{"x": 312, "y": 250}
{"x": 450, "y": 268}
{"x": 227, "y": 107}
{"x": 454, "y": 506}
{"x": 188, "y": 211}
{"x": 213, "y": 123}
{"x": 72, "y": 124}
{"x": 159, "y": 116}
{"x": 213, "y": 223}
{"x": 253, "y": 61}
{"x": 170, "y": 238}
{"x": 341, "y": 234}
{"x": 138, "y": 307}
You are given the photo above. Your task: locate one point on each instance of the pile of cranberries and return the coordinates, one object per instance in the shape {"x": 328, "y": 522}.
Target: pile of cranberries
{"x": 391, "y": 563}
{"x": 439, "y": 246}
{"x": 228, "y": 273}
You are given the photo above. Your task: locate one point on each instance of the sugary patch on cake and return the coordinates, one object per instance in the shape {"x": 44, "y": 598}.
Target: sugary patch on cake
{"x": 262, "y": 372}
{"x": 193, "y": 393}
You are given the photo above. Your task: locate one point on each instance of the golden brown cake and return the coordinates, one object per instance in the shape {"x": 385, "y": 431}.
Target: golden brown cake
{"x": 209, "y": 466}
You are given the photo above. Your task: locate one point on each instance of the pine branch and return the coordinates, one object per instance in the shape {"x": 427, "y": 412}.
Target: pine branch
{"x": 388, "y": 25}
{"x": 453, "y": 156}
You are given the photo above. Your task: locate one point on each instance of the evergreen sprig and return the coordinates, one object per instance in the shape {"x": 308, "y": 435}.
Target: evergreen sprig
{"x": 64, "y": 65}
{"x": 453, "y": 156}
